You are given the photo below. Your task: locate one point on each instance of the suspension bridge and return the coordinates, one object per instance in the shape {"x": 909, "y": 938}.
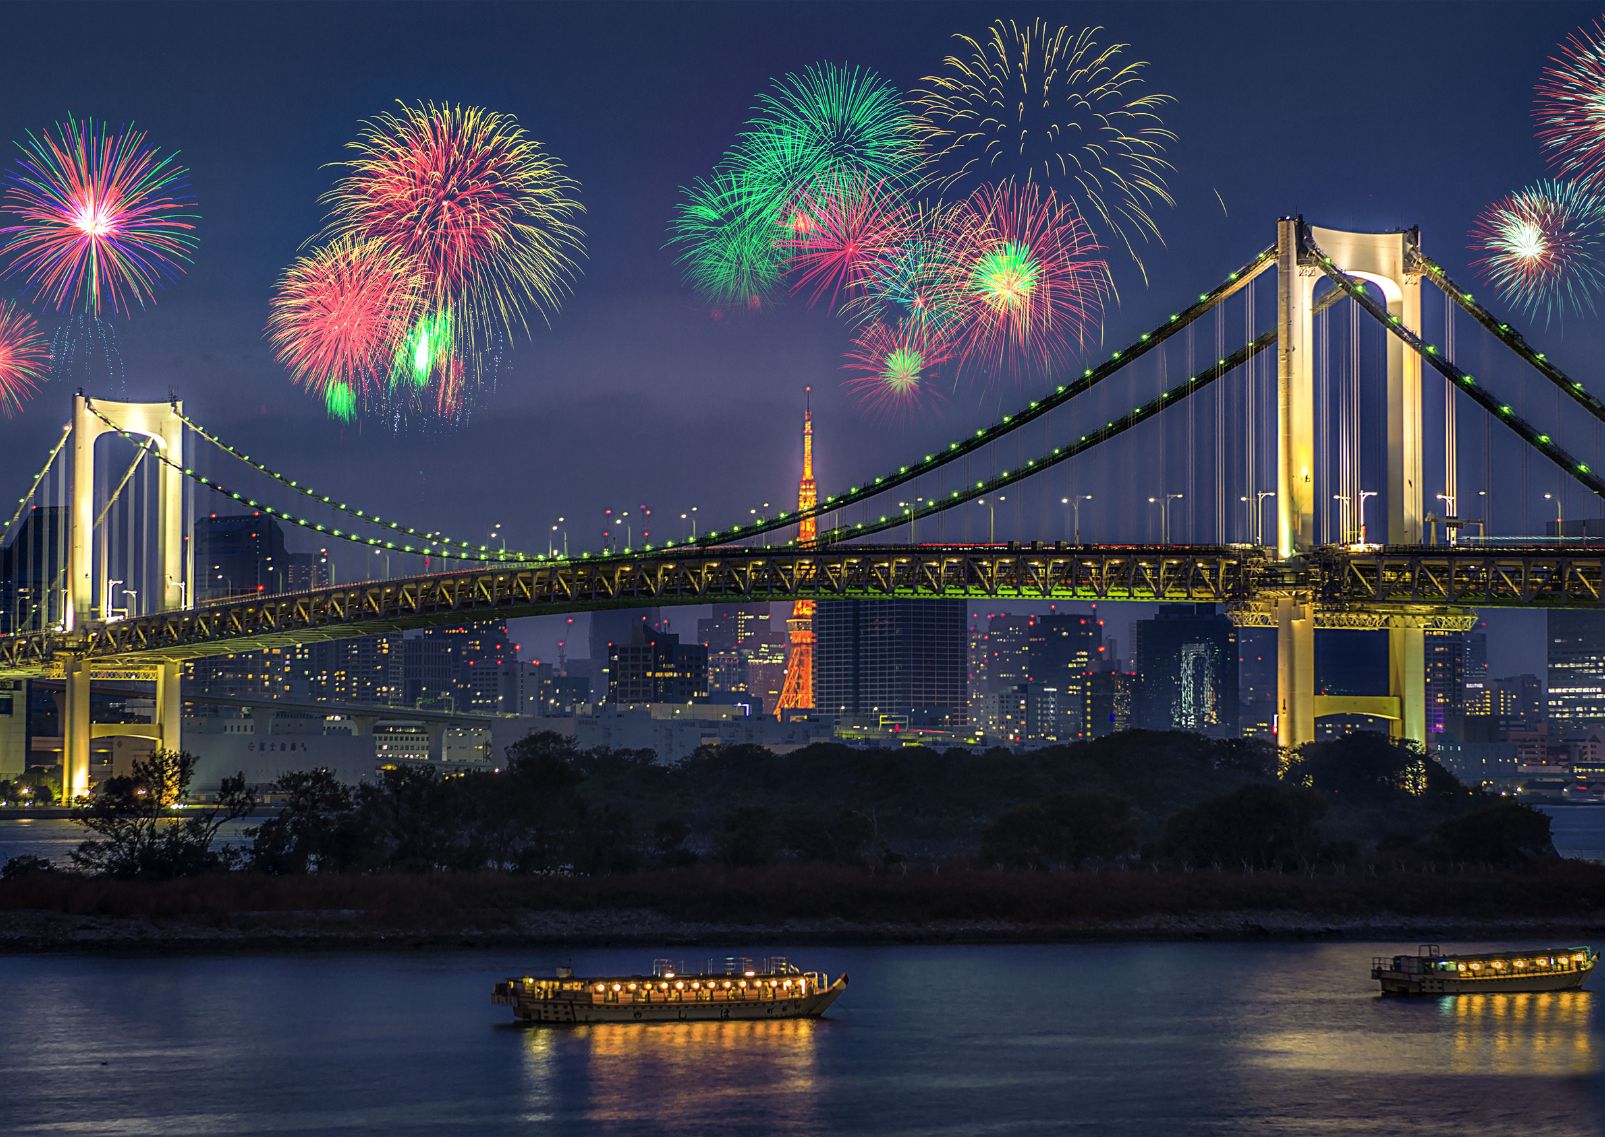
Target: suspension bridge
{"x": 1336, "y": 423}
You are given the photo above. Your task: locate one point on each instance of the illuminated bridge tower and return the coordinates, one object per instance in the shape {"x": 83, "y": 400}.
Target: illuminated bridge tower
{"x": 1391, "y": 262}
{"x": 163, "y": 426}
{"x": 798, "y": 691}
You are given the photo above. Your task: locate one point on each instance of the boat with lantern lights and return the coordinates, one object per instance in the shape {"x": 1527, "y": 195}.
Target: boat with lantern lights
{"x": 1431, "y": 972}
{"x": 736, "y": 989}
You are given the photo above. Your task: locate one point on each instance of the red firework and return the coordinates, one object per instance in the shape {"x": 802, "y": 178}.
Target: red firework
{"x": 1022, "y": 278}
{"x": 339, "y": 313}
{"x": 24, "y": 358}
{"x": 893, "y": 365}
{"x": 843, "y": 237}
{"x": 1569, "y": 107}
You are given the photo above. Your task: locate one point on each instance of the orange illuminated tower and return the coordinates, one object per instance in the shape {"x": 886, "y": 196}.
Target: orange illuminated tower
{"x": 798, "y": 691}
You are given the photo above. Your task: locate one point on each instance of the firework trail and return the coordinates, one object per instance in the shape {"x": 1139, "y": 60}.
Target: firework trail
{"x": 470, "y": 203}
{"x": 24, "y": 358}
{"x": 336, "y": 318}
{"x": 98, "y": 218}
{"x": 892, "y": 366}
{"x": 829, "y": 126}
{"x": 1543, "y": 247}
{"x": 1569, "y": 107}
{"x": 729, "y": 252}
{"x": 84, "y": 353}
{"x": 1052, "y": 106}
{"x": 845, "y": 236}
{"x": 907, "y": 283}
{"x": 1023, "y": 276}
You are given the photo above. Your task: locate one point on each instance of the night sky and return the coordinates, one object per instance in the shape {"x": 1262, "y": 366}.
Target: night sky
{"x": 1366, "y": 116}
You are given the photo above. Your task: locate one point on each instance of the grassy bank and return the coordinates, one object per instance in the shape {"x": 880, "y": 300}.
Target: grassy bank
{"x": 705, "y": 904}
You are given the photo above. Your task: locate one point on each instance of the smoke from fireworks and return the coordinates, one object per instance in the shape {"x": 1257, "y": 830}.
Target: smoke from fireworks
{"x": 1023, "y": 277}
{"x": 729, "y": 252}
{"x": 473, "y": 205}
{"x": 98, "y": 218}
{"x": 1543, "y": 247}
{"x": 24, "y": 358}
{"x": 1570, "y": 106}
{"x": 1049, "y": 105}
{"x": 828, "y": 126}
{"x": 892, "y": 366}
{"x": 337, "y": 316}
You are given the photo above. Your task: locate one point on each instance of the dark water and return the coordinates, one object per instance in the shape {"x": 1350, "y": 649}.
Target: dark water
{"x": 1097, "y": 1039}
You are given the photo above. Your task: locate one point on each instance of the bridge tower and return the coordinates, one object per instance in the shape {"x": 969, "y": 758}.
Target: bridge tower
{"x": 797, "y": 693}
{"x": 162, "y": 424}
{"x": 1388, "y": 260}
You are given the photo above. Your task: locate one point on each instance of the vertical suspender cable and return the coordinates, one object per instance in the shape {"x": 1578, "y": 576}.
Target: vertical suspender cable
{"x": 1451, "y": 440}
{"x": 1220, "y": 430}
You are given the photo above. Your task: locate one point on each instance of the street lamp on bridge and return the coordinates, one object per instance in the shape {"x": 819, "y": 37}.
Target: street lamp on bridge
{"x": 691, "y": 516}
{"x": 551, "y": 540}
{"x": 1164, "y": 514}
{"x": 1364, "y": 494}
{"x": 1075, "y": 513}
{"x": 991, "y": 517}
{"x": 1559, "y": 535}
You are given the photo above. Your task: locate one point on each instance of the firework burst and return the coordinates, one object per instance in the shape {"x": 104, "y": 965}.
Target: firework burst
{"x": 1543, "y": 247}
{"x": 1052, "y": 106}
{"x": 336, "y": 319}
{"x": 829, "y": 126}
{"x": 469, "y": 202}
{"x": 1569, "y": 107}
{"x": 99, "y": 218}
{"x": 728, "y": 251}
{"x": 24, "y": 358}
{"x": 845, "y": 236}
{"x": 892, "y": 366}
{"x": 1022, "y": 277}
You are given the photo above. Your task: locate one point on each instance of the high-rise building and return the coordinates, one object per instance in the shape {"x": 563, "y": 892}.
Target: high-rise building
{"x": 1110, "y": 694}
{"x": 239, "y": 554}
{"x": 369, "y": 670}
{"x": 892, "y": 658}
{"x": 33, "y": 571}
{"x": 799, "y": 693}
{"x": 610, "y": 628}
{"x": 1446, "y": 681}
{"x": 1187, "y": 668}
{"x": 1062, "y": 652}
{"x": 275, "y": 673}
{"x": 1576, "y": 671}
{"x": 735, "y": 627}
{"x": 655, "y": 667}
{"x": 1256, "y": 682}
{"x": 1008, "y": 651}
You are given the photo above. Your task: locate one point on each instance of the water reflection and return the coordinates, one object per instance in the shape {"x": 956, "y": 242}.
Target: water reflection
{"x": 680, "y": 1077}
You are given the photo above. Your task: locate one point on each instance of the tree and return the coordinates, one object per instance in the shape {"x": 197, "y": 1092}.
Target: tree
{"x": 1503, "y": 832}
{"x": 747, "y": 838}
{"x": 25, "y": 864}
{"x": 1256, "y": 826}
{"x": 1368, "y": 767}
{"x": 314, "y": 829}
{"x": 138, "y": 837}
{"x": 1066, "y": 829}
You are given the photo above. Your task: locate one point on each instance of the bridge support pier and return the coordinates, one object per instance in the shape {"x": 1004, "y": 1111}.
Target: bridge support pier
{"x": 1407, "y": 681}
{"x": 170, "y": 706}
{"x": 1295, "y": 671}
{"x": 76, "y": 731}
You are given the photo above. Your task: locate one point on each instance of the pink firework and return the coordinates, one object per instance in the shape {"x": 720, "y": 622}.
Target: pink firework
{"x": 24, "y": 358}
{"x": 1569, "y": 106}
{"x": 338, "y": 314}
{"x": 893, "y": 364}
{"x": 844, "y": 236}
{"x": 1022, "y": 277}
{"x": 98, "y": 218}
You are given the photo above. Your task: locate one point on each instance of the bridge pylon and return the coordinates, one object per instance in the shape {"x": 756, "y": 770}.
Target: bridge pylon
{"x": 1389, "y": 260}
{"x": 162, "y": 424}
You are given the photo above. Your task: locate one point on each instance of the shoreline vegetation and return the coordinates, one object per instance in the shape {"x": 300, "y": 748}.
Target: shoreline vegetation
{"x": 1137, "y": 837}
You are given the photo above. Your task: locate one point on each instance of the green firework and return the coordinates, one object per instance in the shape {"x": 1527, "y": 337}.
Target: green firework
{"x": 426, "y": 350}
{"x": 729, "y": 251}
{"x": 340, "y": 401}
{"x": 831, "y": 125}
{"x": 1005, "y": 276}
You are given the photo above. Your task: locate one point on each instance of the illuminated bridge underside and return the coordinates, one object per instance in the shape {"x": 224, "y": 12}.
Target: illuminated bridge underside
{"x": 1431, "y": 588}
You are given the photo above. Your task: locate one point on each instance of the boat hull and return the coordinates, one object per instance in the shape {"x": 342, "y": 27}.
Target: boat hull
{"x": 1401, "y": 984}
{"x": 563, "y": 1012}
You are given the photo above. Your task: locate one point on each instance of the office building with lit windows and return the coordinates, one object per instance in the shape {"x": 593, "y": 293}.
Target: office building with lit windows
{"x": 903, "y": 659}
{"x": 1576, "y": 667}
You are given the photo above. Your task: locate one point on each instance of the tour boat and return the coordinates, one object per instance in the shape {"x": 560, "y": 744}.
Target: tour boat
{"x": 774, "y": 989}
{"x": 1430, "y": 972}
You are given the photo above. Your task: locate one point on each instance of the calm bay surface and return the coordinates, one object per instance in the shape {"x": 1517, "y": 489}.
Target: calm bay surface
{"x": 1092, "y": 1038}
